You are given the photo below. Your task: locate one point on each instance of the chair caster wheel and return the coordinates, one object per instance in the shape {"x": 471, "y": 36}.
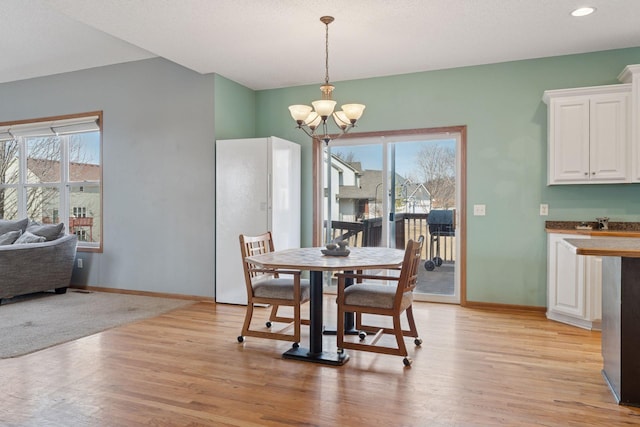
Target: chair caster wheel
{"x": 407, "y": 361}
{"x": 295, "y": 345}
{"x": 429, "y": 265}
{"x": 240, "y": 338}
{"x": 417, "y": 341}
{"x": 362, "y": 335}
{"x": 268, "y": 324}
{"x": 438, "y": 261}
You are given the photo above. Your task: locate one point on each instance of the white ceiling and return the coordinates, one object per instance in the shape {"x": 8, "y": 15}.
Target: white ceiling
{"x": 266, "y": 44}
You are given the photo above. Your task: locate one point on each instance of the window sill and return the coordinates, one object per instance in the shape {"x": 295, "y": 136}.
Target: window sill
{"x": 96, "y": 249}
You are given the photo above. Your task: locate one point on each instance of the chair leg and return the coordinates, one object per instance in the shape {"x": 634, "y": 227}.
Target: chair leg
{"x": 397, "y": 326}
{"x": 296, "y": 323}
{"x": 247, "y": 319}
{"x": 340, "y": 329}
{"x": 358, "y": 316}
{"x": 274, "y": 312}
{"x": 273, "y": 317}
{"x": 412, "y": 324}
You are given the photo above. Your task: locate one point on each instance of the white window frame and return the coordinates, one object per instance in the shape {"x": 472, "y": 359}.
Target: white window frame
{"x": 58, "y": 126}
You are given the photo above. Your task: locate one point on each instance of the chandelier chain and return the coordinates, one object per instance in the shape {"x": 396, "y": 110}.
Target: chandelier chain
{"x": 326, "y": 57}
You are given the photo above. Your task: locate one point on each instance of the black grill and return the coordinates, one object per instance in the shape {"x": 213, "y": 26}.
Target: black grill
{"x": 440, "y": 224}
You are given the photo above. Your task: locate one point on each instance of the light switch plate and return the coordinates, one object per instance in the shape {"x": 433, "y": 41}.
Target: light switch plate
{"x": 479, "y": 210}
{"x": 544, "y": 209}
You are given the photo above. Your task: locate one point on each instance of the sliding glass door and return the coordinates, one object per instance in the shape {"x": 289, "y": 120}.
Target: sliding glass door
{"x": 386, "y": 190}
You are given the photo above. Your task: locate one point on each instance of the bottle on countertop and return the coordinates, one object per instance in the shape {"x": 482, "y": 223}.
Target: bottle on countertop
{"x": 603, "y": 223}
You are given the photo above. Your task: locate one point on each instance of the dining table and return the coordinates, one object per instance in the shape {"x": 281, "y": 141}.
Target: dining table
{"x": 316, "y": 262}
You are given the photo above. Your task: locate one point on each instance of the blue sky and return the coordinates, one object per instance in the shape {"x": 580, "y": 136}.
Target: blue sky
{"x": 406, "y": 152}
{"x": 90, "y": 151}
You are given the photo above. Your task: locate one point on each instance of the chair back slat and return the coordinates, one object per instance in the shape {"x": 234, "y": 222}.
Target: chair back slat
{"x": 409, "y": 270}
{"x": 251, "y": 246}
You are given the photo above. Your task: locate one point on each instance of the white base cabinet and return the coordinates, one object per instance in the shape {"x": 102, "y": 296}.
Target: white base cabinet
{"x": 574, "y": 284}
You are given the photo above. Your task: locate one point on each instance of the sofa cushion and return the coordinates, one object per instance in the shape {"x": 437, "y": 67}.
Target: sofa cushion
{"x": 7, "y": 225}
{"x": 28, "y": 237}
{"x": 10, "y": 237}
{"x": 48, "y": 231}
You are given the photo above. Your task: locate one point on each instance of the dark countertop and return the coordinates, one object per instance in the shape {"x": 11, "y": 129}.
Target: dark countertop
{"x": 616, "y": 229}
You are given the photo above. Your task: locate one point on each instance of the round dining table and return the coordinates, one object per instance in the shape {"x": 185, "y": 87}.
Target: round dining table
{"x": 313, "y": 260}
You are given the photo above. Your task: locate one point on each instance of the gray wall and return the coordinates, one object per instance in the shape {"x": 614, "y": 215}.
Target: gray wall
{"x": 158, "y": 159}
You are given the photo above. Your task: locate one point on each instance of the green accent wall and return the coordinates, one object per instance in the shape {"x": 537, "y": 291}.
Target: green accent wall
{"x": 501, "y": 105}
{"x": 235, "y": 109}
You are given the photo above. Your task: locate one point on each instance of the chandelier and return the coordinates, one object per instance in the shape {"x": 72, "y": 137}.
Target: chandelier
{"x": 313, "y": 120}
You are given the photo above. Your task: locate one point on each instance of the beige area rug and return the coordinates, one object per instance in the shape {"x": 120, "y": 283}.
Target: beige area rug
{"x": 33, "y": 322}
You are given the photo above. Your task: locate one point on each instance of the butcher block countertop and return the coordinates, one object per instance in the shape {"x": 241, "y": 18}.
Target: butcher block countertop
{"x": 607, "y": 247}
{"x": 616, "y": 229}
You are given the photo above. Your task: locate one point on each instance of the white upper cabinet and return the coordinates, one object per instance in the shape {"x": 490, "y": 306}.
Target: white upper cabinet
{"x": 631, "y": 74}
{"x": 588, "y": 135}
{"x": 609, "y": 137}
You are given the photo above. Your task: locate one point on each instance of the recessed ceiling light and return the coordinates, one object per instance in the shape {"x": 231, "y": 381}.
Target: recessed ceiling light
{"x": 583, "y": 11}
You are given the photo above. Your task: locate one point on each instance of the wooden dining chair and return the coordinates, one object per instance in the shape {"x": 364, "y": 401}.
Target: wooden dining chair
{"x": 266, "y": 286}
{"x": 365, "y": 297}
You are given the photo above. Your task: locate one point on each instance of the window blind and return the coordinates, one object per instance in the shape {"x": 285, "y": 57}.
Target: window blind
{"x": 50, "y": 128}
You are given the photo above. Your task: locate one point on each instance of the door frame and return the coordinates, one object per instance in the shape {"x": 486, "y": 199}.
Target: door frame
{"x": 318, "y": 170}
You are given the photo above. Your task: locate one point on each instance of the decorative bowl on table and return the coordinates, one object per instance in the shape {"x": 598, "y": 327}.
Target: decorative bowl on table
{"x": 336, "y": 252}
{"x": 336, "y": 249}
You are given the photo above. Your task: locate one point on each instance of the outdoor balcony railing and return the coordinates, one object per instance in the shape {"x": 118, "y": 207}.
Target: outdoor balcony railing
{"x": 407, "y": 226}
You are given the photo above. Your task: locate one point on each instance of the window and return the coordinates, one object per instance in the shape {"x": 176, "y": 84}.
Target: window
{"x": 80, "y": 212}
{"x": 82, "y": 235}
{"x": 51, "y": 172}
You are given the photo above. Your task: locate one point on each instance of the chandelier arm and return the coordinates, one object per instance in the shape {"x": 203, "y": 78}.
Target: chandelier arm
{"x": 305, "y": 129}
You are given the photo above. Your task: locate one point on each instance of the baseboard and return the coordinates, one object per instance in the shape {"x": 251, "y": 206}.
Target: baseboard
{"x": 144, "y": 293}
{"x": 595, "y": 325}
{"x": 498, "y": 306}
{"x": 467, "y": 304}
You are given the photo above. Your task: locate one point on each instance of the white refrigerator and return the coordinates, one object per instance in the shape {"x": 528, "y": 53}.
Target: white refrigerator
{"x": 257, "y": 190}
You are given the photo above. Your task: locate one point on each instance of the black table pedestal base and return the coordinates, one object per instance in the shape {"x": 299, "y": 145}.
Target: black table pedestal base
{"x": 325, "y": 357}
{"x": 334, "y": 331}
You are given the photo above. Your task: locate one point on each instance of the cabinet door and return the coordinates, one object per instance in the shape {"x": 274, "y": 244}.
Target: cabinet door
{"x": 569, "y": 140}
{"x": 609, "y": 136}
{"x": 566, "y": 282}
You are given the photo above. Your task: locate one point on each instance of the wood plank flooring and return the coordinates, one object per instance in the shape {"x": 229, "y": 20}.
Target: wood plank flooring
{"x": 185, "y": 368}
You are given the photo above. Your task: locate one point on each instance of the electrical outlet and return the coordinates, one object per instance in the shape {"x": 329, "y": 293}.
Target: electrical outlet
{"x": 544, "y": 209}
{"x": 479, "y": 210}
{"x": 79, "y": 262}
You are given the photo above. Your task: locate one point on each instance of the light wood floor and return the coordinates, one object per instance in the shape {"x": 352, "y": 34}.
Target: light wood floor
{"x": 185, "y": 368}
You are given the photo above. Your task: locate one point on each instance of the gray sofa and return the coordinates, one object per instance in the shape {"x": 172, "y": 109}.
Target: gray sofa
{"x": 36, "y": 267}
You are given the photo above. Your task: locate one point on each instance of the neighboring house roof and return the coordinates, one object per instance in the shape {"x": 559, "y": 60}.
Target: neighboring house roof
{"x": 49, "y": 170}
{"x": 369, "y": 180}
{"x": 339, "y": 164}
{"x": 417, "y": 191}
{"x": 356, "y": 166}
